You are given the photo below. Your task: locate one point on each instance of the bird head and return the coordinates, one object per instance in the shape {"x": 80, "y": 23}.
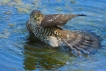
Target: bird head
{"x": 36, "y": 16}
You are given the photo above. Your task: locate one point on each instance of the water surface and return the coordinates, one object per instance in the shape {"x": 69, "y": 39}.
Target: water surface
{"x": 19, "y": 52}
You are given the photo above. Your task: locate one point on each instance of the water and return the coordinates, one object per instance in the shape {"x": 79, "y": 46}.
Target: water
{"x": 19, "y": 52}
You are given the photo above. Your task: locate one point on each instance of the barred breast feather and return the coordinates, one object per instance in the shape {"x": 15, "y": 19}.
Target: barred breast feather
{"x": 46, "y": 35}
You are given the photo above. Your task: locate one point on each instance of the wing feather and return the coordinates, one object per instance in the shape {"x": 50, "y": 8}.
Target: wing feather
{"x": 81, "y": 41}
{"x": 56, "y": 20}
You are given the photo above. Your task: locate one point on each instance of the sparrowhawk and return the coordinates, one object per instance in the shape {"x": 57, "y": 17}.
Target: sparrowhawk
{"x": 48, "y": 29}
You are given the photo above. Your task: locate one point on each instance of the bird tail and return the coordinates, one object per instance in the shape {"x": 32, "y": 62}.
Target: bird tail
{"x": 83, "y": 42}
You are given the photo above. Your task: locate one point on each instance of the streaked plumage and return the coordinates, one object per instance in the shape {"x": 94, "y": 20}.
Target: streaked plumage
{"x": 47, "y": 29}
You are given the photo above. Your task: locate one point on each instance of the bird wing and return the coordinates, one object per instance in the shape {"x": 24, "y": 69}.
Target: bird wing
{"x": 81, "y": 41}
{"x": 56, "y": 20}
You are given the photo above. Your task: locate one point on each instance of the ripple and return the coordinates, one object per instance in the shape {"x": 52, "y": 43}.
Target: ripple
{"x": 17, "y": 52}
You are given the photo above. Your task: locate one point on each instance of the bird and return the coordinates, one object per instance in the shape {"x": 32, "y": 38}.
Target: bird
{"x": 48, "y": 29}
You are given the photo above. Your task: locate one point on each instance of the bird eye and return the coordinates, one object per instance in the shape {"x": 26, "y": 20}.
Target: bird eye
{"x": 35, "y": 16}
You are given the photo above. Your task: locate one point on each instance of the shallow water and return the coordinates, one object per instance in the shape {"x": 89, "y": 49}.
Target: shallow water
{"x": 18, "y": 52}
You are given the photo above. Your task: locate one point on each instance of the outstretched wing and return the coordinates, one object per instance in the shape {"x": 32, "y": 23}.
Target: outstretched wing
{"x": 57, "y": 19}
{"x": 81, "y": 42}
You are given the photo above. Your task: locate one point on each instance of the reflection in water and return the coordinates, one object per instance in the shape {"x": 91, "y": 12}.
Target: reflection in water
{"x": 38, "y": 55}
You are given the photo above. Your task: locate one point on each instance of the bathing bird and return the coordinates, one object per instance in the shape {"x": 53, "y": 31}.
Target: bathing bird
{"x": 48, "y": 29}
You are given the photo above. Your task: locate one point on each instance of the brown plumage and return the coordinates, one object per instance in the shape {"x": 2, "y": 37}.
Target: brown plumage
{"x": 54, "y": 19}
{"x": 46, "y": 28}
{"x": 57, "y": 19}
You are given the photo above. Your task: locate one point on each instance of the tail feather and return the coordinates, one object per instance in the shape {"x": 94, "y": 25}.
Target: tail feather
{"x": 86, "y": 43}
